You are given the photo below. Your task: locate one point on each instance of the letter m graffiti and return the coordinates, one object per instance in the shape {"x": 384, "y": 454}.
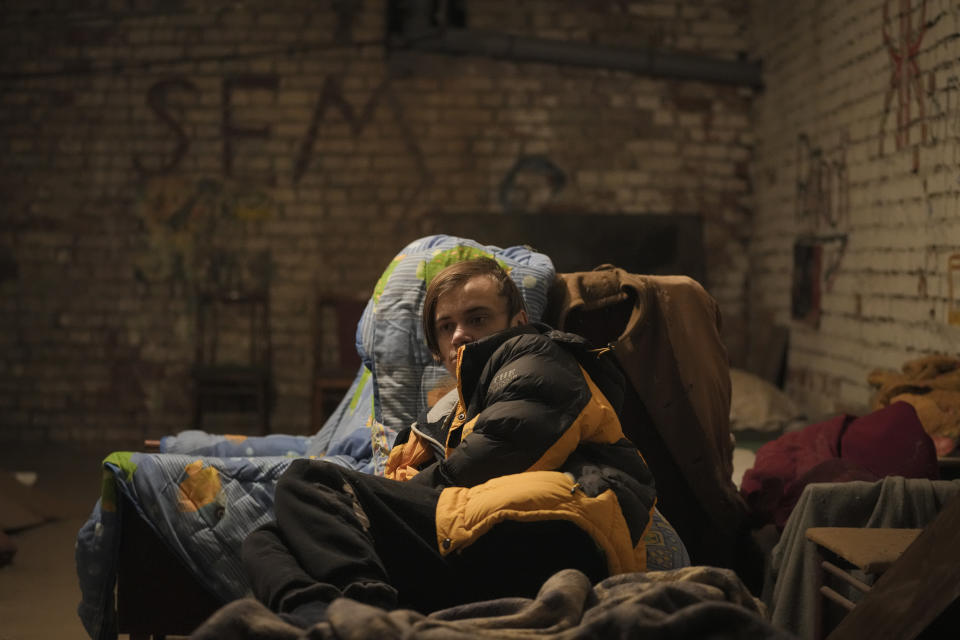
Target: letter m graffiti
{"x": 331, "y": 96}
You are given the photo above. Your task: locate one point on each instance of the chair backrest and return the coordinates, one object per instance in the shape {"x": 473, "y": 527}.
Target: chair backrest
{"x": 335, "y": 357}
{"x": 335, "y": 334}
{"x": 664, "y": 331}
{"x": 233, "y": 328}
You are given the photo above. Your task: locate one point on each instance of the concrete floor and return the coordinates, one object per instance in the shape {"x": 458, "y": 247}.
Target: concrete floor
{"x": 39, "y": 591}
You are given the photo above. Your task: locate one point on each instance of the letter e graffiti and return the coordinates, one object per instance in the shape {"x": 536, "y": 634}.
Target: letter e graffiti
{"x": 231, "y": 131}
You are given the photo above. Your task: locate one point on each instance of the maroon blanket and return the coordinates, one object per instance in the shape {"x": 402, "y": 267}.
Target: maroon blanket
{"x": 887, "y": 442}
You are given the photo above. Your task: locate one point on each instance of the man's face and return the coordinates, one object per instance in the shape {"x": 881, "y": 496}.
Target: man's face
{"x": 470, "y": 312}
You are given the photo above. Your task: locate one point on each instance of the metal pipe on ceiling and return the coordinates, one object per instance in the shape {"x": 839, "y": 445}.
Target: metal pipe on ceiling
{"x": 654, "y": 62}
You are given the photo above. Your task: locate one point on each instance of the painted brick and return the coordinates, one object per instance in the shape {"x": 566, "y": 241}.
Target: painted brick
{"x": 902, "y": 218}
{"x": 441, "y": 138}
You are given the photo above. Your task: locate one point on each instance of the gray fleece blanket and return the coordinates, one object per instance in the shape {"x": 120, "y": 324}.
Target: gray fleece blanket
{"x": 693, "y": 602}
{"x": 891, "y": 502}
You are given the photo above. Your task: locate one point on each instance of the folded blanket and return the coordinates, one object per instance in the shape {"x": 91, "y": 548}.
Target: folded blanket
{"x": 694, "y": 602}
{"x": 932, "y": 385}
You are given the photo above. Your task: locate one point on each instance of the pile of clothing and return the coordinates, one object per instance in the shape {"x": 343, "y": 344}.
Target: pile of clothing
{"x": 932, "y": 386}
{"x": 888, "y": 442}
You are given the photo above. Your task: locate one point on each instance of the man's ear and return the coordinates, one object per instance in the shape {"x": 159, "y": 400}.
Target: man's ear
{"x": 520, "y": 319}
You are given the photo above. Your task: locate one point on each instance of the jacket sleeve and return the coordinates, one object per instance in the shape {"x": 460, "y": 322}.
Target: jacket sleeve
{"x": 529, "y": 420}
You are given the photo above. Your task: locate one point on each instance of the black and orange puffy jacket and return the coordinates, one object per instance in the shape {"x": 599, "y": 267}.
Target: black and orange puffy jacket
{"x": 533, "y": 433}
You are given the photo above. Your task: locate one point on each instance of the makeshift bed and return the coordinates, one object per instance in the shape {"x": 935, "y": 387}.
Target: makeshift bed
{"x": 160, "y": 552}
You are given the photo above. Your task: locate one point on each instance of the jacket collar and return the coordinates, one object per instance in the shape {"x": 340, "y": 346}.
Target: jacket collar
{"x": 475, "y": 355}
{"x": 599, "y": 363}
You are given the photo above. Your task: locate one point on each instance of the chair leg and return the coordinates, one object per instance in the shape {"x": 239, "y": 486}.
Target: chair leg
{"x": 817, "y": 612}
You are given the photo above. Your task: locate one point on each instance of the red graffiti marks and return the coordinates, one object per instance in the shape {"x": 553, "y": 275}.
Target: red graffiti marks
{"x": 905, "y": 73}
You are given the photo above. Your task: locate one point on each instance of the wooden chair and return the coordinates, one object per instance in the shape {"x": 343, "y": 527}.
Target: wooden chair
{"x": 336, "y": 361}
{"x": 917, "y": 585}
{"x": 840, "y": 550}
{"x": 228, "y": 375}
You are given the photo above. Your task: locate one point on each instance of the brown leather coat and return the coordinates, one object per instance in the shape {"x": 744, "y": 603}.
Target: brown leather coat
{"x": 664, "y": 331}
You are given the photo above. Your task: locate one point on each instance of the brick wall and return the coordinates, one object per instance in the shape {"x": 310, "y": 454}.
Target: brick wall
{"x": 150, "y": 148}
{"x": 857, "y": 154}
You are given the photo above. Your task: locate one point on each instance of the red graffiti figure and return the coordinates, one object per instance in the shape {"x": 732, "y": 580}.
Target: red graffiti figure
{"x": 905, "y": 74}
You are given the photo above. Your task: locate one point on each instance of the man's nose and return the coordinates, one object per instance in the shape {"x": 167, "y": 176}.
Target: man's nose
{"x": 460, "y": 336}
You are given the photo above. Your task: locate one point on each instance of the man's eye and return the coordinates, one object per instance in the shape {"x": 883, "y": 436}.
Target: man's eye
{"x": 478, "y": 320}
{"x": 446, "y": 327}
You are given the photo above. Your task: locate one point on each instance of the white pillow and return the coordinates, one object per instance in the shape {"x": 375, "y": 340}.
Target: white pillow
{"x": 757, "y": 405}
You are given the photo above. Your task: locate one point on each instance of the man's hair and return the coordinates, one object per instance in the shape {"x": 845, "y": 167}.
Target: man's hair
{"x": 457, "y": 275}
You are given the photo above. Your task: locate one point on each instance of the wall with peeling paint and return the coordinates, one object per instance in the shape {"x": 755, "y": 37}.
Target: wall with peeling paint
{"x": 856, "y": 181}
{"x": 153, "y": 149}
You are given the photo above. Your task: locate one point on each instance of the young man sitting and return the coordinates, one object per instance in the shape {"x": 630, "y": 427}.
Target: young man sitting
{"x": 520, "y": 472}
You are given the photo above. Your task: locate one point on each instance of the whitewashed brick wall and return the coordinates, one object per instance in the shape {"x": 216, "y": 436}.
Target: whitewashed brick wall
{"x": 831, "y": 76}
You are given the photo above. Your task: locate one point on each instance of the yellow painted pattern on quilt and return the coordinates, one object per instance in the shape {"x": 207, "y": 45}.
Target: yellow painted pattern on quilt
{"x": 199, "y": 488}
{"x": 440, "y": 260}
{"x": 384, "y": 277}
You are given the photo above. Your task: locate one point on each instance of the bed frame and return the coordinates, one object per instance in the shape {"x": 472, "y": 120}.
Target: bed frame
{"x": 156, "y": 593}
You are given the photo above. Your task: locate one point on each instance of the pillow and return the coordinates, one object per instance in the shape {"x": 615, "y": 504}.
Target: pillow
{"x": 757, "y": 405}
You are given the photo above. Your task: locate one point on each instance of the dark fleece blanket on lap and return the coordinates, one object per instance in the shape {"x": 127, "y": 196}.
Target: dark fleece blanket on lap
{"x": 693, "y": 602}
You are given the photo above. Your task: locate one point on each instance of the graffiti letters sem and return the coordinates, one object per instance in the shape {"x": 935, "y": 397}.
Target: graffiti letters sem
{"x": 234, "y": 132}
